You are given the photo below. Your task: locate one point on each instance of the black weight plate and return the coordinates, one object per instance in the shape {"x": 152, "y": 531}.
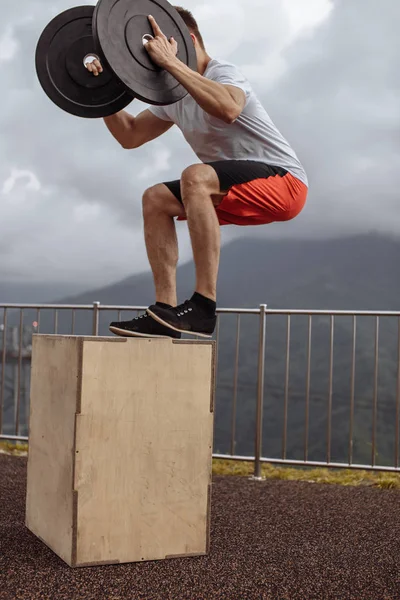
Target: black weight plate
{"x": 60, "y": 52}
{"x": 118, "y": 29}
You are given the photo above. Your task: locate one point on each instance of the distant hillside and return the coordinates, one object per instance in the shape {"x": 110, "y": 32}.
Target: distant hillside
{"x": 349, "y": 273}
{"x": 360, "y": 273}
{"x": 36, "y": 292}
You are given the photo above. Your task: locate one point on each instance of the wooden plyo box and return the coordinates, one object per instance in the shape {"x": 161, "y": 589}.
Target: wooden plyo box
{"x": 120, "y": 448}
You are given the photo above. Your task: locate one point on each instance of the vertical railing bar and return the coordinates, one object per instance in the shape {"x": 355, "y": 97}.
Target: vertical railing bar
{"x": 235, "y": 382}
{"x": 375, "y": 401}
{"x": 20, "y": 343}
{"x": 308, "y": 383}
{"x": 25, "y": 380}
{"x": 396, "y": 450}
{"x": 38, "y": 320}
{"x": 329, "y": 427}
{"x": 73, "y": 321}
{"x": 352, "y": 390}
{"x": 3, "y": 368}
{"x": 96, "y": 316}
{"x": 287, "y": 379}
{"x": 260, "y": 393}
{"x": 217, "y": 343}
{"x": 56, "y": 321}
{"x": 119, "y": 315}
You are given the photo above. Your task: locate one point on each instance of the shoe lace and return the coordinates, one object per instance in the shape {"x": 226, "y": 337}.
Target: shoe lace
{"x": 183, "y": 309}
{"x": 144, "y": 316}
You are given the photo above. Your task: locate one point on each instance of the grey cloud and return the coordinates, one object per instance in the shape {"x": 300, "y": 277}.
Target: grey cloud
{"x": 76, "y": 161}
{"x": 339, "y": 103}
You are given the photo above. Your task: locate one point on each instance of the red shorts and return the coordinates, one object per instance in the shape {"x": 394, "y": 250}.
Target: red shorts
{"x": 256, "y": 193}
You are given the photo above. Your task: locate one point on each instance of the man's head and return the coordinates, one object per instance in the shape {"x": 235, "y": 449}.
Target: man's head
{"x": 191, "y": 24}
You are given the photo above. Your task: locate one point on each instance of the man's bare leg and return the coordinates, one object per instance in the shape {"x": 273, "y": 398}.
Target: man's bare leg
{"x": 199, "y": 185}
{"x": 159, "y": 209}
{"x": 200, "y": 189}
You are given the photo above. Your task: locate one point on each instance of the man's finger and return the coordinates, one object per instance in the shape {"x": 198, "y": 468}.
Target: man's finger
{"x": 155, "y": 26}
{"x": 98, "y": 66}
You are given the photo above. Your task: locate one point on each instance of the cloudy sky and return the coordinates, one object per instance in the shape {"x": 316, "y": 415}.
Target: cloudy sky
{"x": 327, "y": 72}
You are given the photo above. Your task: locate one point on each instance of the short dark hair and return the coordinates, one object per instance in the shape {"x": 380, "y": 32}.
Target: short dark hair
{"x": 190, "y": 23}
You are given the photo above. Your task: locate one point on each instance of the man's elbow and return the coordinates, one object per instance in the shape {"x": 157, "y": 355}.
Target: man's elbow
{"x": 129, "y": 144}
{"x": 231, "y": 114}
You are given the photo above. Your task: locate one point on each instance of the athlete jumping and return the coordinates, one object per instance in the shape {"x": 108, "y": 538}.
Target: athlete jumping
{"x": 248, "y": 175}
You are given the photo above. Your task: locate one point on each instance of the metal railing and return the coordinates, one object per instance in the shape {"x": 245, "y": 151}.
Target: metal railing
{"x": 15, "y": 357}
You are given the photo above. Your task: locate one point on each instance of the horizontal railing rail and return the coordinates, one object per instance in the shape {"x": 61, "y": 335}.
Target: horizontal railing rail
{"x": 18, "y": 322}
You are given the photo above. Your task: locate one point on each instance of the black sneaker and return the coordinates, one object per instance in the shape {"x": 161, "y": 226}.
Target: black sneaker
{"x": 185, "y": 318}
{"x": 143, "y": 326}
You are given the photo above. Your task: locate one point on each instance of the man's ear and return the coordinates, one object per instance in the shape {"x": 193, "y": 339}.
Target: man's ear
{"x": 194, "y": 38}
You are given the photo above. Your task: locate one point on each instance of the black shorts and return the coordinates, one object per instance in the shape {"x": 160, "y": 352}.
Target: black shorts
{"x": 255, "y": 193}
{"x": 233, "y": 172}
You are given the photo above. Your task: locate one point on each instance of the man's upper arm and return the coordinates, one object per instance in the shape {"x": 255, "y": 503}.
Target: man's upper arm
{"x": 148, "y": 127}
{"x": 230, "y": 77}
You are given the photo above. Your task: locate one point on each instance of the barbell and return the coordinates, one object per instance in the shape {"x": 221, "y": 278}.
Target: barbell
{"x": 115, "y": 32}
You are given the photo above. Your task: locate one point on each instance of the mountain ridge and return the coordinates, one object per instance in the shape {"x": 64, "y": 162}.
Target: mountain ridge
{"x": 332, "y": 267}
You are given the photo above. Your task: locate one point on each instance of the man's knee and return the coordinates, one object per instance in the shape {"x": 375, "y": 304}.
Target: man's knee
{"x": 199, "y": 175}
{"x": 153, "y": 199}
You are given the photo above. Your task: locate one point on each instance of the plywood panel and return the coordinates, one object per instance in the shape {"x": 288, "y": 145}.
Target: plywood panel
{"x": 143, "y": 450}
{"x": 54, "y": 393}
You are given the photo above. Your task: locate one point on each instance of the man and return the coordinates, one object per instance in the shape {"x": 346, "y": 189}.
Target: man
{"x": 249, "y": 175}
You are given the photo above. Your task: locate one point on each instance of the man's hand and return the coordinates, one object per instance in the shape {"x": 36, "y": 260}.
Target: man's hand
{"x": 161, "y": 50}
{"x": 94, "y": 67}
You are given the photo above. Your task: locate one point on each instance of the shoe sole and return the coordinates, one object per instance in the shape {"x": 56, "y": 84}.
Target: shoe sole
{"x": 125, "y": 333}
{"x": 162, "y": 322}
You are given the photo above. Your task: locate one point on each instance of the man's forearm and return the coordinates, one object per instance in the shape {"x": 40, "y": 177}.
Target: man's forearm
{"x": 212, "y": 97}
{"x": 121, "y": 126}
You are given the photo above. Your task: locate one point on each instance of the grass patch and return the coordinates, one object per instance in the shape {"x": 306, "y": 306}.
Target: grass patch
{"x": 346, "y": 477}
{"x": 14, "y": 448}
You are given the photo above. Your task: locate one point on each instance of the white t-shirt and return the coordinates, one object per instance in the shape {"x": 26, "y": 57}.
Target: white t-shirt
{"x": 253, "y": 136}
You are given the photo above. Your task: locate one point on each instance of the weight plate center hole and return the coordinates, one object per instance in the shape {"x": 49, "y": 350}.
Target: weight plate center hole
{"x": 146, "y": 38}
{"x": 89, "y": 58}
